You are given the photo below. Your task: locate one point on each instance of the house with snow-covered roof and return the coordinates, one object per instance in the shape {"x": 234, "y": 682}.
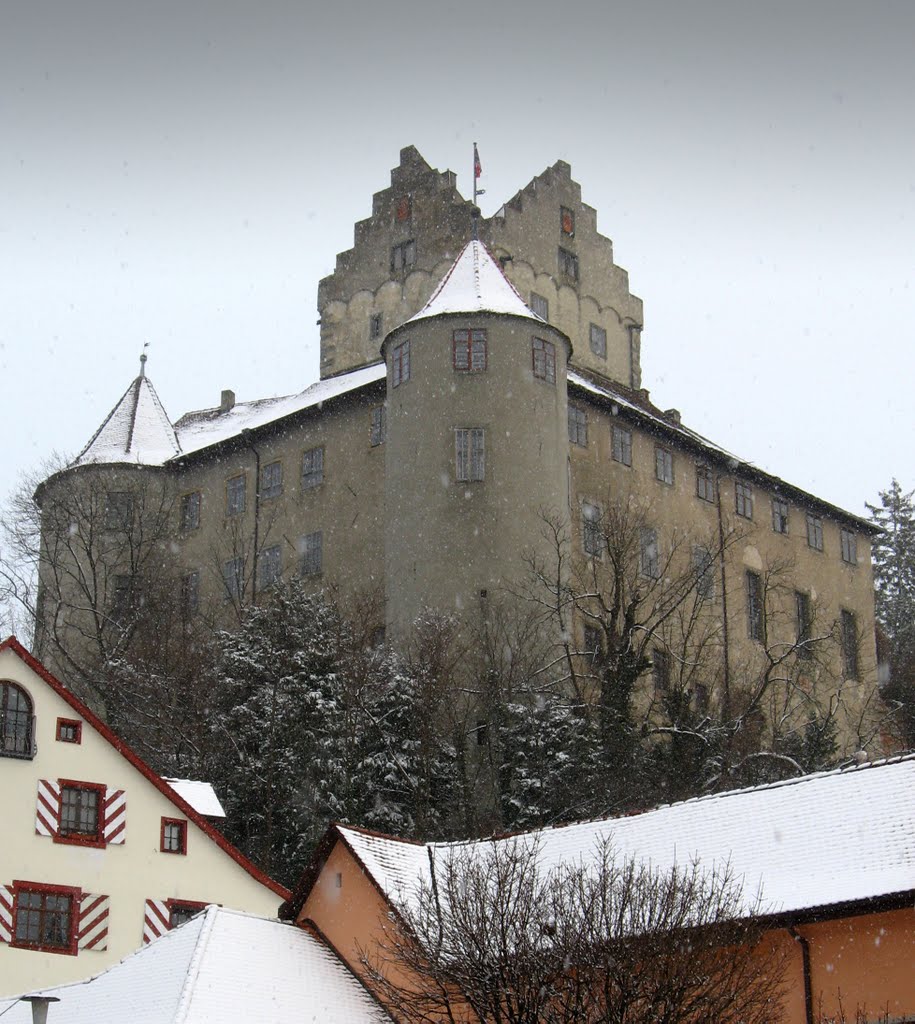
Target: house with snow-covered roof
{"x": 99, "y": 855}
{"x": 832, "y": 857}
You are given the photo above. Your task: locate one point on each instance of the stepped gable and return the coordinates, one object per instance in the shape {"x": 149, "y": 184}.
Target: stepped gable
{"x": 475, "y": 284}
{"x": 136, "y": 431}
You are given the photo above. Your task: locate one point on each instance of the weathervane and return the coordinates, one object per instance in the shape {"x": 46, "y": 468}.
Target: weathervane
{"x": 143, "y": 359}
{"x": 477, "y": 171}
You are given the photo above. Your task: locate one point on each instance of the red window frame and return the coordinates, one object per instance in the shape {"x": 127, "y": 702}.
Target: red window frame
{"x": 67, "y": 723}
{"x": 73, "y": 893}
{"x": 96, "y": 839}
{"x": 465, "y": 351}
{"x": 166, "y": 822}
{"x": 172, "y": 905}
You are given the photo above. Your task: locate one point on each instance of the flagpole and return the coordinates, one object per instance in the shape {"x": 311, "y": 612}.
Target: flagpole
{"x": 475, "y": 161}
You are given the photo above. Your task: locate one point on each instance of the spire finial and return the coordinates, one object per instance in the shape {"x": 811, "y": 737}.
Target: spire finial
{"x": 143, "y": 359}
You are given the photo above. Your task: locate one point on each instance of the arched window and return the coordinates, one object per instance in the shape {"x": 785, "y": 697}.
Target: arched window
{"x": 16, "y": 722}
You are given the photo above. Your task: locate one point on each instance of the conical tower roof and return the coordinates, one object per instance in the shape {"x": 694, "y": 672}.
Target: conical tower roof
{"x": 136, "y": 431}
{"x": 475, "y": 284}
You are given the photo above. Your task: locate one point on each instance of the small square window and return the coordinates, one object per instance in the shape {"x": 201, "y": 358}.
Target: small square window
{"x": 233, "y": 578}
{"x": 400, "y": 364}
{"x": 190, "y": 510}
{"x": 173, "y": 836}
{"x": 578, "y": 426}
{"x": 664, "y": 465}
{"x": 814, "y": 532}
{"x": 622, "y": 445}
{"x": 235, "y": 495}
{"x": 81, "y": 806}
{"x": 45, "y": 918}
{"x": 468, "y": 350}
{"x": 649, "y": 555}
{"x": 272, "y": 480}
{"x": 69, "y": 730}
{"x": 598, "y": 338}
{"x": 311, "y": 548}
{"x": 543, "y": 355}
{"x": 379, "y": 426}
{"x": 403, "y": 256}
{"x": 118, "y": 510}
{"x": 568, "y": 264}
{"x": 312, "y": 468}
{"x": 271, "y": 566}
{"x": 779, "y": 515}
{"x": 743, "y": 500}
{"x": 592, "y": 537}
{"x": 567, "y": 221}
{"x": 469, "y": 454}
{"x": 190, "y": 593}
{"x": 540, "y": 306}
{"x": 849, "y": 543}
{"x": 705, "y": 483}
{"x": 375, "y": 322}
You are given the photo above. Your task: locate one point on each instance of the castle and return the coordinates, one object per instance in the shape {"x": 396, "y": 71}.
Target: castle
{"x": 480, "y": 418}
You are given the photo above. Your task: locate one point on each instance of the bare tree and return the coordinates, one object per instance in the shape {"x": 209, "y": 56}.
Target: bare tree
{"x": 495, "y": 937}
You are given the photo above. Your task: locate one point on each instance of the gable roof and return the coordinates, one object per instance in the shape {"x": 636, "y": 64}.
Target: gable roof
{"x": 810, "y": 845}
{"x": 221, "y": 966}
{"x": 137, "y": 431}
{"x": 475, "y": 284}
{"x": 12, "y": 644}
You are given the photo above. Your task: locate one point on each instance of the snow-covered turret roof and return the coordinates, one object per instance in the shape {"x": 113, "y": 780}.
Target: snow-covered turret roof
{"x": 475, "y": 284}
{"x": 136, "y": 431}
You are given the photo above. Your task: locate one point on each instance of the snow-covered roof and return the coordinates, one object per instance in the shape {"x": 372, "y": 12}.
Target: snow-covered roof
{"x": 475, "y": 284}
{"x": 221, "y": 966}
{"x": 200, "y": 795}
{"x": 806, "y": 843}
{"x": 136, "y": 431}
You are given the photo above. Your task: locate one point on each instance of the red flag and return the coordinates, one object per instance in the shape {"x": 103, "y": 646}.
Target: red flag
{"x": 477, "y": 166}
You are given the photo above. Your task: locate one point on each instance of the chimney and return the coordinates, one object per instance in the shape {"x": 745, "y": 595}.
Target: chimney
{"x": 643, "y": 396}
{"x": 40, "y": 1006}
{"x": 227, "y": 401}
{"x": 673, "y": 415}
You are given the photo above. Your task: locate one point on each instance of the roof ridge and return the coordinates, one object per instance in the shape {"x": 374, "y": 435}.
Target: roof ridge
{"x": 195, "y": 963}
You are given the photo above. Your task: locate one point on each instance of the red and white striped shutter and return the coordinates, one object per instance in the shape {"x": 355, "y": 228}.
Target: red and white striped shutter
{"x": 47, "y": 815}
{"x": 93, "y": 922}
{"x": 6, "y": 914}
{"x": 115, "y": 816}
{"x": 155, "y": 920}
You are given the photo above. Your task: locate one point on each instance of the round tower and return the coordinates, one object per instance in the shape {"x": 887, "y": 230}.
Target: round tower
{"x": 477, "y": 442}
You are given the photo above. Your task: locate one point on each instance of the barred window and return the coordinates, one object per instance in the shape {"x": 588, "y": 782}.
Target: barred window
{"x": 664, "y": 465}
{"x": 578, "y": 426}
{"x": 469, "y": 453}
{"x": 543, "y": 356}
{"x": 400, "y": 364}
{"x": 379, "y": 426}
{"x": 311, "y": 546}
{"x": 622, "y": 445}
{"x": 591, "y": 533}
{"x": 779, "y": 515}
{"x": 375, "y": 322}
{"x": 272, "y": 480}
{"x": 312, "y": 468}
{"x": 814, "y": 532}
{"x": 468, "y": 348}
{"x": 756, "y": 616}
{"x": 849, "y": 644}
{"x": 804, "y": 624}
{"x": 16, "y": 721}
{"x": 743, "y": 500}
{"x": 705, "y": 483}
{"x": 849, "y": 543}
{"x": 598, "y": 337}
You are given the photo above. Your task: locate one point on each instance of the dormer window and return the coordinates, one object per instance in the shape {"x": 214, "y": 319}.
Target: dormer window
{"x": 17, "y": 723}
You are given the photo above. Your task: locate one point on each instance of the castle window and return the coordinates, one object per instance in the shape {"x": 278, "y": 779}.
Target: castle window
{"x": 312, "y": 468}
{"x": 540, "y": 306}
{"x": 80, "y": 806}
{"x": 16, "y": 722}
{"x": 849, "y": 628}
{"x": 69, "y": 730}
{"x": 705, "y": 483}
{"x": 190, "y": 593}
{"x": 804, "y": 624}
{"x": 400, "y": 364}
{"x": 173, "y": 835}
{"x": 598, "y": 341}
{"x": 779, "y": 515}
{"x": 756, "y": 616}
{"x": 663, "y": 465}
{"x": 375, "y": 322}
{"x": 660, "y": 670}
{"x": 378, "y": 426}
{"x": 591, "y": 534}
{"x": 849, "y": 543}
{"x": 568, "y": 264}
{"x": 190, "y": 511}
{"x": 311, "y": 546}
{"x": 567, "y": 221}
{"x": 272, "y": 480}
{"x": 543, "y": 355}
{"x": 403, "y": 256}
{"x": 118, "y": 510}
{"x": 649, "y": 556}
{"x": 704, "y": 567}
{"x": 743, "y": 500}
{"x": 814, "y": 532}
{"x": 233, "y": 578}
{"x": 578, "y": 426}
{"x": 469, "y": 454}
{"x": 270, "y": 566}
{"x": 621, "y": 446}
{"x": 45, "y": 917}
{"x": 235, "y": 495}
{"x": 468, "y": 349}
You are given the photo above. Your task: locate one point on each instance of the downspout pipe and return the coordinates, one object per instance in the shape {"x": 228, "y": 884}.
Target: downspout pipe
{"x": 246, "y": 437}
{"x": 805, "y": 959}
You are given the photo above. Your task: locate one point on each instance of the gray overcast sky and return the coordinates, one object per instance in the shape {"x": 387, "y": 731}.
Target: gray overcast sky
{"x": 184, "y": 173}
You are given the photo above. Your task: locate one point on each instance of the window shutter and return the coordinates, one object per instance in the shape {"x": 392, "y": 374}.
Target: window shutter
{"x": 47, "y": 814}
{"x": 6, "y": 913}
{"x": 155, "y": 920}
{"x": 93, "y": 922}
{"x": 115, "y": 816}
